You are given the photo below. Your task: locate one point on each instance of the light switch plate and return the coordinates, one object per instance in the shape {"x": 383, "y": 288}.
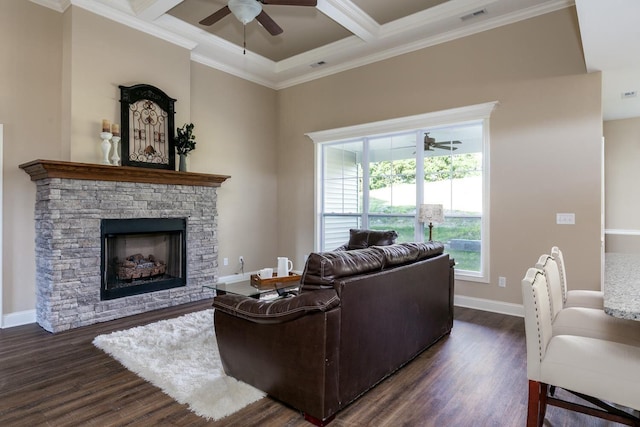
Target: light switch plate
{"x": 565, "y": 218}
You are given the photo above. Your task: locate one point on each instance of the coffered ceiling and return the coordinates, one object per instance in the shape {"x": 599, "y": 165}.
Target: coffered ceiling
{"x": 335, "y": 35}
{"x": 338, "y": 35}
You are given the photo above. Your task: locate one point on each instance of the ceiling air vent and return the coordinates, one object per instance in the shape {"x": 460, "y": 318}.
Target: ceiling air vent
{"x": 474, "y": 14}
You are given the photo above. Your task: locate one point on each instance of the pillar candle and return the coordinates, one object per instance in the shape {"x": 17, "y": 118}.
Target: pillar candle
{"x": 115, "y": 129}
{"x": 106, "y": 125}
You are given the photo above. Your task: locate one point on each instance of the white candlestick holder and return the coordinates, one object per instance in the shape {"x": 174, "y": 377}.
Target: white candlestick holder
{"x": 106, "y": 147}
{"x": 115, "y": 157}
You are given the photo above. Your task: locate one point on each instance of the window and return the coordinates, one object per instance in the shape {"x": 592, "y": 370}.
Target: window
{"x": 377, "y": 175}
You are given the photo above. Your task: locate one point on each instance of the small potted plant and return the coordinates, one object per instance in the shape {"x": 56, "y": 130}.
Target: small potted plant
{"x": 185, "y": 142}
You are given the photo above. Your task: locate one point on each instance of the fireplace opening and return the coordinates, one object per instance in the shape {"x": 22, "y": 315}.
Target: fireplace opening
{"x": 142, "y": 255}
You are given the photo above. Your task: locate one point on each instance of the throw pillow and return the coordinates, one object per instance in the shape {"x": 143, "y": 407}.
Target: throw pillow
{"x": 360, "y": 239}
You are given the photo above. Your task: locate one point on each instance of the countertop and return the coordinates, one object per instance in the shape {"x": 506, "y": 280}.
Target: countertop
{"x": 622, "y": 285}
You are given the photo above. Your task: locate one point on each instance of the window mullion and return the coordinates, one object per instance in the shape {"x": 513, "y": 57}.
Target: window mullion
{"x": 419, "y": 227}
{"x": 365, "y": 183}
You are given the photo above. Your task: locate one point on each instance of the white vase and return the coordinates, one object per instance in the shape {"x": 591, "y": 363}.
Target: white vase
{"x": 182, "y": 166}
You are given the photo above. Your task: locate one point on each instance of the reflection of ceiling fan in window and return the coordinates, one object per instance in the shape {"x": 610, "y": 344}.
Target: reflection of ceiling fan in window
{"x": 430, "y": 143}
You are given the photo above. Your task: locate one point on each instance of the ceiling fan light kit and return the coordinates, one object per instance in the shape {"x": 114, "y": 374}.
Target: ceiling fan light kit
{"x": 245, "y": 10}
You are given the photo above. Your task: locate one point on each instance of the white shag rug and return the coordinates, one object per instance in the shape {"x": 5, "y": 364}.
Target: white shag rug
{"x": 181, "y": 357}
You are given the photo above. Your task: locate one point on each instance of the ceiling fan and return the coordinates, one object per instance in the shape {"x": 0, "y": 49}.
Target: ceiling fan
{"x": 248, "y": 10}
{"x": 430, "y": 143}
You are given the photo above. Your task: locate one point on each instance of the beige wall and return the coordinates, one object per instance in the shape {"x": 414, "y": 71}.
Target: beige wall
{"x": 30, "y": 86}
{"x": 236, "y": 129}
{"x": 54, "y": 93}
{"x": 105, "y": 55}
{"x": 545, "y": 139}
{"x": 622, "y": 201}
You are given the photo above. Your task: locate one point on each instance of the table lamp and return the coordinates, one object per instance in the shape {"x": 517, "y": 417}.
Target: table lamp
{"x": 431, "y": 213}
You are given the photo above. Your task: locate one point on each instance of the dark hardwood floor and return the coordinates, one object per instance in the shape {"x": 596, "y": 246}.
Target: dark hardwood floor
{"x": 476, "y": 376}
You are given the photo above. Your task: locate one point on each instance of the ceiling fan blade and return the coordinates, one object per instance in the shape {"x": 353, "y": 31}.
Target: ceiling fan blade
{"x": 291, "y": 2}
{"x": 215, "y": 17}
{"x": 269, "y": 24}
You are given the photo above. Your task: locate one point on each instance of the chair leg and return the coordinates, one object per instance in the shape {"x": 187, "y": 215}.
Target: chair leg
{"x": 543, "y": 403}
{"x": 533, "y": 412}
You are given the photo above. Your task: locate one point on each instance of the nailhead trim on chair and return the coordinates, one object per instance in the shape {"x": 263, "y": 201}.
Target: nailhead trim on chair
{"x": 535, "y": 301}
{"x": 546, "y": 276}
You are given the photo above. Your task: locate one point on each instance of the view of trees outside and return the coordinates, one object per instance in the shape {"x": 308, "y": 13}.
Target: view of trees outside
{"x": 451, "y": 179}
{"x": 457, "y": 177}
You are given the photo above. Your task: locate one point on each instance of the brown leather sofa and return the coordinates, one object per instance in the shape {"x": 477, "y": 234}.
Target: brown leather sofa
{"x": 359, "y": 316}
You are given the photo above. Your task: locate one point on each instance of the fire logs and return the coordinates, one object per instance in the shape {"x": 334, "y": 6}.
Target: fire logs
{"x": 138, "y": 267}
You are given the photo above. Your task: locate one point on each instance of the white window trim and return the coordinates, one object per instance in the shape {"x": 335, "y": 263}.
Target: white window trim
{"x": 437, "y": 118}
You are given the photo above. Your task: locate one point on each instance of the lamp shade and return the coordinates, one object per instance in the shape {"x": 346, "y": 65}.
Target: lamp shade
{"x": 431, "y": 213}
{"x": 245, "y": 10}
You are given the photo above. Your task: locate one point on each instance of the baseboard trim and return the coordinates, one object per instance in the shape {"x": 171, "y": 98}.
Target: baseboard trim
{"x": 18, "y": 318}
{"x": 489, "y": 305}
{"x": 29, "y": 316}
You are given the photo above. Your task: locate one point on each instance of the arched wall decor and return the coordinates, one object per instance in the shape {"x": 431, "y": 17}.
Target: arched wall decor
{"x": 147, "y": 117}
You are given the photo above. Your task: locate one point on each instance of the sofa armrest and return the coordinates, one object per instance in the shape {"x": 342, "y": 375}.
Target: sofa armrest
{"x": 277, "y": 310}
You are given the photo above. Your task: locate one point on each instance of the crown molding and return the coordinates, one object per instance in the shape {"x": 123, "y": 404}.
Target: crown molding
{"x": 134, "y": 22}
{"x": 57, "y": 5}
{"x": 233, "y": 70}
{"x": 402, "y": 44}
{"x": 369, "y": 44}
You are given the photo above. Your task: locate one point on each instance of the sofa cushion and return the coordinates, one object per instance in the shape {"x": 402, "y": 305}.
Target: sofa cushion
{"x": 397, "y": 254}
{"x": 278, "y": 310}
{"x": 322, "y": 269}
{"x": 405, "y": 253}
{"x": 360, "y": 239}
{"x": 426, "y": 249}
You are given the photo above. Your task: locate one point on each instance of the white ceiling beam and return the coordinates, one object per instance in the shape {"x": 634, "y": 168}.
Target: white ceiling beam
{"x": 150, "y": 10}
{"x": 351, "y": 17}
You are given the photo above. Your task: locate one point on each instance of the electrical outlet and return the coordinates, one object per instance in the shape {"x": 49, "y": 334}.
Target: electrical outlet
{"x": 502, "y": 282}
{"x": 225, "y": 261}
{"x": 565, "y": 218}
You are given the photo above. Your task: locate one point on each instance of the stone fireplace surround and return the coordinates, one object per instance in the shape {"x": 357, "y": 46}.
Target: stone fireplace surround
{"x": 71, "y": 200}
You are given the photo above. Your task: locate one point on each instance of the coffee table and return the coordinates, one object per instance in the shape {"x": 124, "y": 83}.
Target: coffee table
{"x": 244, "y": 287}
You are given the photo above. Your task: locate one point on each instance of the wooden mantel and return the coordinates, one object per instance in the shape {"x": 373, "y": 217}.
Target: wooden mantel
{"x": 42, "y": 169}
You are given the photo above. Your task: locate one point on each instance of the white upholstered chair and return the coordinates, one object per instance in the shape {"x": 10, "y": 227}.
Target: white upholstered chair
{"x": 576, "y": 297}
{"x": 599, "y": 371}
{"x": 583, "y": 321}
